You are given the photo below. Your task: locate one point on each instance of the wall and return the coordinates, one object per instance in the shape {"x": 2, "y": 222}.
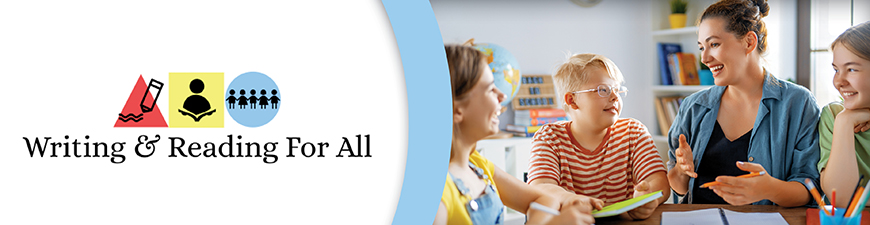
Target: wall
{"x": 542, "y": 34}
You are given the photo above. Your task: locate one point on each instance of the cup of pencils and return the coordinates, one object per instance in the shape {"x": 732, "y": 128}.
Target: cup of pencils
{"x": 828, "y": 215}
{"x": 839, "y": 217}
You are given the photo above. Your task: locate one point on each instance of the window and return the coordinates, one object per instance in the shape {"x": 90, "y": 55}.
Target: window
{"x": 829, "y": 19}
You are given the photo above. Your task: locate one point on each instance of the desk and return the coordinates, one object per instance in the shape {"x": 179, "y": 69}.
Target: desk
{"x": 793, "y": 216}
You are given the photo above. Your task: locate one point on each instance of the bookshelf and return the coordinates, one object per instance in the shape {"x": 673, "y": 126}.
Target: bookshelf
{"x": 686, "y": 37}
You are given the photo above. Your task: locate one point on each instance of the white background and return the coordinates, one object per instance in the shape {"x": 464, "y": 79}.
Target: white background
{"x": 68, "y": 67}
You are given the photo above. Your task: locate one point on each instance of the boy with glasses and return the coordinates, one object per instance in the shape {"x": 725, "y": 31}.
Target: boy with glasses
{"x": 596, "y": 154}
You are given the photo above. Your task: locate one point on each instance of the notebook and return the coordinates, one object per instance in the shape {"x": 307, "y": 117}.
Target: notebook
{"x": 625, "y": 206}
{"x": 719, "y": 216}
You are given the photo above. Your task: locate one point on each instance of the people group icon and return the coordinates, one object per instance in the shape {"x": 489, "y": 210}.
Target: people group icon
{"x": 243, "y": 101}
{"x": 196, "y": 106}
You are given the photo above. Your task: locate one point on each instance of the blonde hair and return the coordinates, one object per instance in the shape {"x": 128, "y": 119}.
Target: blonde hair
{"x": 573, "y": 74}
{"x": 856, "y": 39}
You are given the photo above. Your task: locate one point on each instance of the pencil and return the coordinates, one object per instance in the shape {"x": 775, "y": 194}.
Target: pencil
{"x": 543, "y": 208}
{"x": 854, "y": 201}
{"x": 815, "y": 193}
{"x": 753, "y": 174}
{"x": 859, "y": 207}
{"x": 855, "y": 196}
{"x": 834, "y": 201}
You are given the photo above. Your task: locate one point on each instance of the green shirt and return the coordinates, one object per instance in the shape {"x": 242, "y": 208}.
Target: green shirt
{"x": 826, "y": 137}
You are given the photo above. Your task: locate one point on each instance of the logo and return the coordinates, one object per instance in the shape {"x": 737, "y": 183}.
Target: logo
{"x": 200, "y": 100}
{"x": 194, "y": 100}
{"x": 141, "y": 108}
{"x": 253, "y": 99}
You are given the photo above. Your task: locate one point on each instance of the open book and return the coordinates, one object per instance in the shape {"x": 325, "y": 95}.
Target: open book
{"x": 716, "y": 216}
{"x": 625, "y": 206}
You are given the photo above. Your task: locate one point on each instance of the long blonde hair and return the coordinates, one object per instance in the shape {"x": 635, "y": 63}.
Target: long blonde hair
{"x": 856, "y": 39}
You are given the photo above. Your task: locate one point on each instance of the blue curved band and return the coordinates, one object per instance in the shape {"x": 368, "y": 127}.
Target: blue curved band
{"x": 430, "y": 105}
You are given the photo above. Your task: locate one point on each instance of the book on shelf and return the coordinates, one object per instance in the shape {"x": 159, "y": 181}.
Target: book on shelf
{"x": 688, "y": 69}
{"x": 519, "y": 134}
{"x": 664, "y": 50}
{"x": 683, "y": 69}
{"x": 664, "y": 125}
{"x": 666, "y": 111}
{"x": 537, "y": 121}
{"x": 537, "y": 113}
{"x": 522, "y": 131}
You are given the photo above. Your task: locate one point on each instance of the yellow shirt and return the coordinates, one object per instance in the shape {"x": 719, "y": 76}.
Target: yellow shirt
{"x": 454, "y": 201}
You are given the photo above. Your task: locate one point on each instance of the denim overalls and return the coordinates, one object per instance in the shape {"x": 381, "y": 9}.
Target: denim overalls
{"x": 487, "y": 208}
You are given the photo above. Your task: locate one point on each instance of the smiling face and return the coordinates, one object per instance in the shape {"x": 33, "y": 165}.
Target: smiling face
{"x": 722, "y": 51}
{"x": 851, "y": 78}
{"x": 478, "y": 111}
{"x": 602, "y": 111}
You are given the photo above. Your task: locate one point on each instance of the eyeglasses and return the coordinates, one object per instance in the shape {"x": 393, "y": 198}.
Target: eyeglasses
{"x": 605, "y": 90}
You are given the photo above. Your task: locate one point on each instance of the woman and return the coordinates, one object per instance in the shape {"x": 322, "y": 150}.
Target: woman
{"x": 750, "y": 121}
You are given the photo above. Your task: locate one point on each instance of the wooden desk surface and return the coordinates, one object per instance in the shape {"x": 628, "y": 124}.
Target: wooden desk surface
{"x": 793, "y": 216}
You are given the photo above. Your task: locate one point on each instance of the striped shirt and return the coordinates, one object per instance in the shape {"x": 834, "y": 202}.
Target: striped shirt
{"x": 627, "y": 155}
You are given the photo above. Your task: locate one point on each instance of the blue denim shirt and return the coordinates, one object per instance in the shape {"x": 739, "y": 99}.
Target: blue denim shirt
{"x": 784, "y": 138}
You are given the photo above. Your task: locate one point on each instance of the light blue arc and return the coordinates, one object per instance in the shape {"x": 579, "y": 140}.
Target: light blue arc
{"x": 430, "y": 106}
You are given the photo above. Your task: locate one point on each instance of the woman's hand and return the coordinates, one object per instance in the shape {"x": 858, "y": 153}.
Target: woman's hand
{"x": 742, "y": 191}
{"x": 685, "y": 160}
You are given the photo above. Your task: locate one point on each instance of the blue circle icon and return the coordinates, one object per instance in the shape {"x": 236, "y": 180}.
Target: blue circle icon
{"x": 253, "y": 99}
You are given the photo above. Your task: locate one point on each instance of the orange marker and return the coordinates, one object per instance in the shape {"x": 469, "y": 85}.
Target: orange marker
{"x": 753, "y": 174}
{"x": 854, "y": 201}
{"x": 816, "y": 195}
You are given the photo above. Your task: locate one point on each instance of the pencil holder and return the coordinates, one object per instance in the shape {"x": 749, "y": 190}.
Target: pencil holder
{"x": 837, "y": 218}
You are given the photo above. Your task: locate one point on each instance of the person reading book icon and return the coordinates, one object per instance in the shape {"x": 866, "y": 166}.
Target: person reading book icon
{"x": 243, "y": 101}
{"x": 195, "y": 105}
{"x": 232, "y": 99}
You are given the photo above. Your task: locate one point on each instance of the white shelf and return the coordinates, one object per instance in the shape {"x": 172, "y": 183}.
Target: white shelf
{"x": 679, "y": 88}
{"x": 679, "y": 31}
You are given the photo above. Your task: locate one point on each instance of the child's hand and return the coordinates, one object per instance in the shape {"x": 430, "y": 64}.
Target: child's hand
{"x": 685, "y": 160}
{"x": 742, "y": 191}
{"x": 646, "y": 210}
{"x": 858, "y": 118}
{"x": 588, "y": 203}
{"x": 575, "y": 212}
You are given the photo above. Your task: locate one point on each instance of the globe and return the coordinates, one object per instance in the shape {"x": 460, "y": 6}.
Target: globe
{"x": 505, "y": 69}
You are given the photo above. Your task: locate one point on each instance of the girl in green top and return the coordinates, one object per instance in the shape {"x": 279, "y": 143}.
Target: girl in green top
{"x": 842, "y": 137}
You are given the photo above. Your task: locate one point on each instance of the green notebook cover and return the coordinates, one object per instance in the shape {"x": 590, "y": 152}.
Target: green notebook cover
{"x": 625, "y": 206}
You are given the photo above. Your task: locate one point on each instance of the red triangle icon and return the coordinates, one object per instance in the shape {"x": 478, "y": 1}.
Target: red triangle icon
{"x": 132, "y": 115}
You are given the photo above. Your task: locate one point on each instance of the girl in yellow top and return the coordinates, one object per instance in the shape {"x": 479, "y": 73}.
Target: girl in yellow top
{"x": 476, "y": 191}
{"x": 844, "y": 144}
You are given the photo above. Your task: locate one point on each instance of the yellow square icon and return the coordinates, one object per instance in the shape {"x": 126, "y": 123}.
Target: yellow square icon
{"x": 196, "y": 100}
